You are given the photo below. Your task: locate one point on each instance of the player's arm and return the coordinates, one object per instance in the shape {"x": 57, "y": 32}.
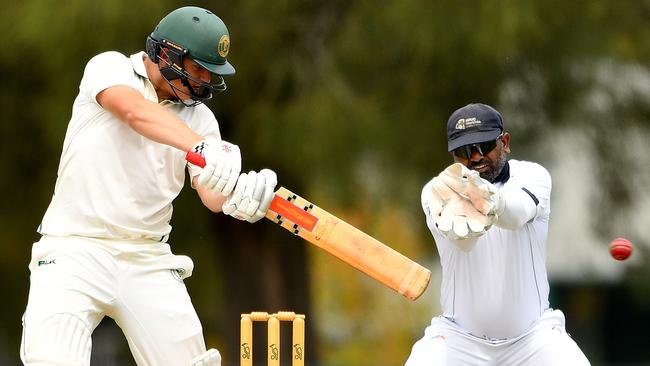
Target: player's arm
{"x": 157, "y": 123}
{"x": 518, "y": 207}
{"x": 211, "y": 199}
{"x": 147, "y": 118}
{"x": 521, "y": 203}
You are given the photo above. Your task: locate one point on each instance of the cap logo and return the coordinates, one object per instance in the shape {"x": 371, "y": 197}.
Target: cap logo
{"x": 224, "y": 46}
{"x": 464, "y": 123}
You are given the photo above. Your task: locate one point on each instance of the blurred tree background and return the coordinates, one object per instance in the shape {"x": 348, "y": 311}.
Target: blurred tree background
{"x": 347, "y": 101}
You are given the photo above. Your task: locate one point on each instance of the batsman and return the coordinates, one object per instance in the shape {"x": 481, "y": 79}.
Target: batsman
{"x": 489, "y": 217}
{"x": 103, "y": 249}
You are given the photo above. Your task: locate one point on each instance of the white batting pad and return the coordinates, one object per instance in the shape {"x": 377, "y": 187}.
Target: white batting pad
{"x": 61, "y": 340}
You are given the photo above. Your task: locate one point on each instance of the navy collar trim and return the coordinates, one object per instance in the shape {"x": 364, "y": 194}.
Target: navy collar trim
{"x": 504, "y": 175}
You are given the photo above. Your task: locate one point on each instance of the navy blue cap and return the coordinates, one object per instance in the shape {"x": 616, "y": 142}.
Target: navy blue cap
{"x": 473, "y": 124}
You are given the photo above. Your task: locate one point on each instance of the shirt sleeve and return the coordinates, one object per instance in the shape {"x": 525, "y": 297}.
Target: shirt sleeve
{"x": 526, "y": 198}
{"x": 105, "y": 70}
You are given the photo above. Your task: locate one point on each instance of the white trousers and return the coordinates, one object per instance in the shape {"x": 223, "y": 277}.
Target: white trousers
{"x": 75, "y": 282}
{"x": 546, "y": 343}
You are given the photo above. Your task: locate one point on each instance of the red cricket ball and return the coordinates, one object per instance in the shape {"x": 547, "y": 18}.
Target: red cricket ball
{"x": 620, "y": 249}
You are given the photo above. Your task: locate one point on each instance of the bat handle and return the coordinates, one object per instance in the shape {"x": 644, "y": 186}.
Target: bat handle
{"x": 195, "y": 158}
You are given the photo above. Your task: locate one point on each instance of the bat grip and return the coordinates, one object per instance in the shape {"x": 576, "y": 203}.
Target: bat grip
{"x": 195, "y": 158}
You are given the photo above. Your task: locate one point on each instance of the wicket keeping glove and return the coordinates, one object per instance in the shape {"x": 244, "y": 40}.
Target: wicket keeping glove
{"x": 222, "y": 165}
{"x": 452, "y": 214}
{"x": 459, "y": 219}
{"x": 469, "y": 184}
{"x": 252, "y": 195}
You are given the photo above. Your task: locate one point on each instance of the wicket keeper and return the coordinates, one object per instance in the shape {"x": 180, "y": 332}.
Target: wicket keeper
{"x": 489, "y": 217}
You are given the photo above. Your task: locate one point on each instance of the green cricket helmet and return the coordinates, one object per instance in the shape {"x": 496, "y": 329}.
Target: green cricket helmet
{"x": 198, "y": 34}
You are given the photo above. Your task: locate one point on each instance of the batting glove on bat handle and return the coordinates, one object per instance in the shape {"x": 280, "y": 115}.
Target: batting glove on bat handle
{"x": 260, "y": 192}
{"x": 221, "y": 163}
{"x": 252, "y": 196}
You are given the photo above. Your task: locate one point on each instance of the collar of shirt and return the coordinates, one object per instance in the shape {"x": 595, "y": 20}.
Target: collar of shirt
{"x": 137, "y": 60}
{"x": 138, "y": 64}
{"x": 504, "y": 175}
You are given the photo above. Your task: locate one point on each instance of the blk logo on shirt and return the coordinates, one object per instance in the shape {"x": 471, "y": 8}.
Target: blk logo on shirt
{"x": 46, "y": 262}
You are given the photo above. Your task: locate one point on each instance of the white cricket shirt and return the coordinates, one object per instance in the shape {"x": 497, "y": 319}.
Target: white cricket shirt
{"x": 113, "y": 182}
{"x": 499, "y": 288}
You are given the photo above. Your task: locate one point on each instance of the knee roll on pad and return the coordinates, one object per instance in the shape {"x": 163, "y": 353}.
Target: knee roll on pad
{"x": 211, "y": 357}
{"x": 60, "y": 340}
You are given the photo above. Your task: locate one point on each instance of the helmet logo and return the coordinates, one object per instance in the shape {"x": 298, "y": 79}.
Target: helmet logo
{"x": 224, "y": 45}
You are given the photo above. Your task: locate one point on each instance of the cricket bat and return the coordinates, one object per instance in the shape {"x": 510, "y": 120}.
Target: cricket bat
{"x": 344, "y": 241}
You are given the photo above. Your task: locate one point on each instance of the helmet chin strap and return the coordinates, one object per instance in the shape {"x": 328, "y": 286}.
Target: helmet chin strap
{"x": 171, "y": 72}
{"x": 191, "y": 102}
{"x": 204, "y": 92}
{"x": 194, "y": 98}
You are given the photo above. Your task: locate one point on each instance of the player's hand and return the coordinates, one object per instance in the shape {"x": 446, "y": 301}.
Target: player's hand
{"x": 222, "y": 165}
{"x": 454, "y": 215}
{"x": 252, "y": 195}
{"x": 469, "y": 184}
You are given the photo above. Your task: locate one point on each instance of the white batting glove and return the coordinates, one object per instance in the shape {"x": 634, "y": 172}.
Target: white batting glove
{"x": 252, "y": 195}
{"x": 470, "y": 185}
{"x": 222, "y": 165}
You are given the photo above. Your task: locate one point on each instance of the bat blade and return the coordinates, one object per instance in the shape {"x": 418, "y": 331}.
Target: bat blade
{"x": 348, "y": 243}
{"x": 344, "y": 241}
